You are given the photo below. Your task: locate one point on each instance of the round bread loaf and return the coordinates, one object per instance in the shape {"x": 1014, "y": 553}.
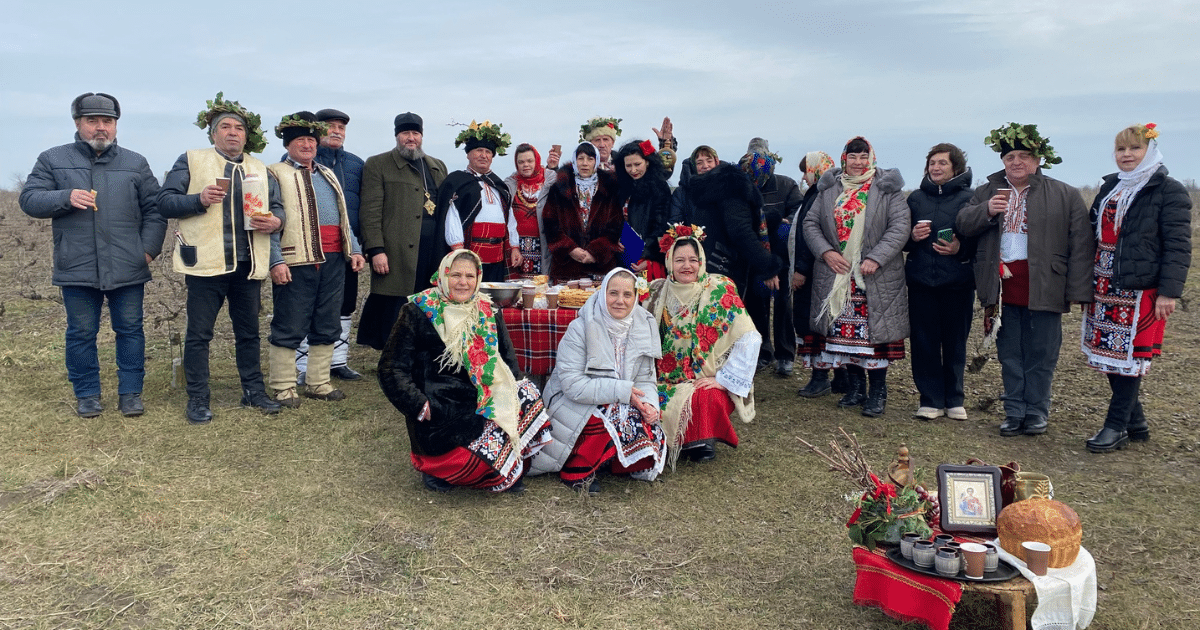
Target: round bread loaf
{"x": 1042, "y": 520}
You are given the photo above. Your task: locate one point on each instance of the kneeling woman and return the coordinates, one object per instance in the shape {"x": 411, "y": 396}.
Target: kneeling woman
{"x": 449, "y": 368}
{"x": 602, "y": 397}
{"x": 709, "y": 350}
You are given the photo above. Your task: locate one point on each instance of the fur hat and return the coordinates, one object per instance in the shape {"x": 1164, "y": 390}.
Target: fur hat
{"x": 299, "y": 125}
{"x": 409, "y": 121}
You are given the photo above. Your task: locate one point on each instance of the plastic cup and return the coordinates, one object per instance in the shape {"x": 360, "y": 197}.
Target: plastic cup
{"x": 976, "y": 558}
{"x": 1037, "y": 556}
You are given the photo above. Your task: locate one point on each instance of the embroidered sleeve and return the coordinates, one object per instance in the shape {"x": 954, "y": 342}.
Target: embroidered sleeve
{"x": 737, "y": 375}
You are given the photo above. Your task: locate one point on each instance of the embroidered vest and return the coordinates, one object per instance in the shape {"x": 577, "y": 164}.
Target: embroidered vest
{"x": 300, "y": 242}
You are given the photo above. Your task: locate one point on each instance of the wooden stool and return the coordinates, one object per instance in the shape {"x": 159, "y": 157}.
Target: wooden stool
{"x": 1013, "y": 593}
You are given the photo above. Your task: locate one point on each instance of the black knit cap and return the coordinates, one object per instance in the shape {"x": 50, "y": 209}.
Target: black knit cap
{"x": 475, "y": 143}
{"x": 95, "y": 104}
{"x": 291, "y": 133}
{"x": 409, "y": 121}
{"x": 329, "y": 113}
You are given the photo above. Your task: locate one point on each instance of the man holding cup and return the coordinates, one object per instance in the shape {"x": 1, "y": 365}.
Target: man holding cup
{"x": 223, "y": 246}
{"x": 101, "y": 200}
{"x": 308, "y": 263}
{"x": 1034, "y": 258}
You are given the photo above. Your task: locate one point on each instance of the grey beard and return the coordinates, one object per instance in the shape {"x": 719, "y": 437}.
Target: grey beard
{"x": 98, "y": 145}
{"x": 410, "y": 154}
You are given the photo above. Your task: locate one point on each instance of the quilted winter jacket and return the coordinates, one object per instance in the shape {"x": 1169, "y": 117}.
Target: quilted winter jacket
{"x": 585, "y": 375}
{"x": 348, "y": 168}
{"x": 940, "y": 204}
{"x": 887, "y": 230}
{"x": 1062, "y": 244}
{"x": 1154, "y": 248}
{"x": 104, "y": 248}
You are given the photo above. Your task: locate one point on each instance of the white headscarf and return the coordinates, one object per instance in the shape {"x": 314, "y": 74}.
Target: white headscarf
{"x": 618, "y": 329}
{"x": 1128, "y": 185}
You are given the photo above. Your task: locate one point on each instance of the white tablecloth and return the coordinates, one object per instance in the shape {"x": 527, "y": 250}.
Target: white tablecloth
{"x": 1066, "y": 596}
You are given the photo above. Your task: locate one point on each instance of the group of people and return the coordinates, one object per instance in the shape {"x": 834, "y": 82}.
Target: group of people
{"x": 1025, "y": 244}
{"x": 643, "y": 379}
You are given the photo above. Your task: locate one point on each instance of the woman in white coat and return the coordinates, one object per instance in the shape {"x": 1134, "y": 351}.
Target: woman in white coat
{"x": 602, "y": 397}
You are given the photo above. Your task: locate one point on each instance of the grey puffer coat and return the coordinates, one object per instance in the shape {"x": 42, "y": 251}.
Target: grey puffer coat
{"x": 585, "y": 376}
{"x": 104, "y": 248}
{"x": 886, "y": 232}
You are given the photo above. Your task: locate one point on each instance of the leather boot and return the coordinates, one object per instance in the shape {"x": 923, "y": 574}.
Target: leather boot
{"x": 1138, "y": 429}
{"x": 840, "y": 384}
{"x": 817, "y": 386}
{"x": 856, "y": 388}
{"x": 318, "y": 385}
{"x": 1107, "y": 440}
{"x": 876, "y": 401}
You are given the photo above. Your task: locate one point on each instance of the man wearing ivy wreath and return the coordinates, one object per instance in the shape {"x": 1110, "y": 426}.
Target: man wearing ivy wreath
{"x": 230, "y": 215}
{"x": 308, "y": 263}
{"x": 603, "y": 132}
{"x": 474, "y": 205}
{"x": 1034, "y": 258}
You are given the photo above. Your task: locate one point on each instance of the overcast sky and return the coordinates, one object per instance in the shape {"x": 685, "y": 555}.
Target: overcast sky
{"x": 806, "y": 76}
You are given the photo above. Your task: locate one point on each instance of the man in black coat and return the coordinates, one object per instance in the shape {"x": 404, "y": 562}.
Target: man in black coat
{"x": 724, "y": 201}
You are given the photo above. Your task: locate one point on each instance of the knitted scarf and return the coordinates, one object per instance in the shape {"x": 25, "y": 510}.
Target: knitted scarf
{"x": 846, "y": 210}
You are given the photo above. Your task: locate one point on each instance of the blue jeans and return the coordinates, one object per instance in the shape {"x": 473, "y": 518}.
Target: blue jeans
{"x": 83, "y": 306}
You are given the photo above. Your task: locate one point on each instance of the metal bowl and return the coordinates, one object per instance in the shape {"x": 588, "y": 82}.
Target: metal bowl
{"x": 504, "y": 294}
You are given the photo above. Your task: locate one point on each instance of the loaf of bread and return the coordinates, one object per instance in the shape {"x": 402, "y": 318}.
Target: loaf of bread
{"x": 1042, "y": 520}
{"x": 573, "y": 298}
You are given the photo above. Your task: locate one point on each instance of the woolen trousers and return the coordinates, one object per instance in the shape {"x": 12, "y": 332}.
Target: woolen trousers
{"x": 1027, "y": 345}
{"x": 310, "y": 305}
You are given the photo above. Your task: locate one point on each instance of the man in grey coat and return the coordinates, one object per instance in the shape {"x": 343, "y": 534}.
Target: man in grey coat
{"x": 100, "y": 198}
{"x": 1035, "y": 256}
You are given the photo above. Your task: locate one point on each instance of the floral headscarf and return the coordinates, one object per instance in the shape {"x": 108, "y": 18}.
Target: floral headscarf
{"x": 846, "y": 209}
{"x": 815, "y": 165}
{"x": 469, "y": 331}
{"x": 698, "y": 325}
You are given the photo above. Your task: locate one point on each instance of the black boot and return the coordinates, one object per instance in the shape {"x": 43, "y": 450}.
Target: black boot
{"x": 1138, "y": 429}
{"x": 856, "y": 388}
{"x": 1115, "y": 434}
{"x": 841, "y": 382}
{"x": 817, "y": 386}
{"x": 877, "y": 397}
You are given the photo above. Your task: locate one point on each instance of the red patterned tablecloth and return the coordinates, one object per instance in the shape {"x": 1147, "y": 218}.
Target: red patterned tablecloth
{"x": 536, "y": 334}
{"x": 903, "y": 594}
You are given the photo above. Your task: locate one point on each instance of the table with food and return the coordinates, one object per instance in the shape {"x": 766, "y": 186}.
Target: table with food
{"x": 993, "y": 531}
{"x": 537, "y": 313}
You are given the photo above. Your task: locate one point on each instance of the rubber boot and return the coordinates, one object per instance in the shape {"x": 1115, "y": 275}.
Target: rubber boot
{"x": 877, "y": 396}
{"x": 318, "y": 386}
{"x": 856, "y": 388}
{"x": 283, "y": 375}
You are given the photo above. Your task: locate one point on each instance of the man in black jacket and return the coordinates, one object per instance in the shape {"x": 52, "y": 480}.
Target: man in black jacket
{"x": 107, "y": 229}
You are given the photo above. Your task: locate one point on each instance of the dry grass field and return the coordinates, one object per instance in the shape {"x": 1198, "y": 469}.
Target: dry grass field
{"x": 314, "y": 518}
